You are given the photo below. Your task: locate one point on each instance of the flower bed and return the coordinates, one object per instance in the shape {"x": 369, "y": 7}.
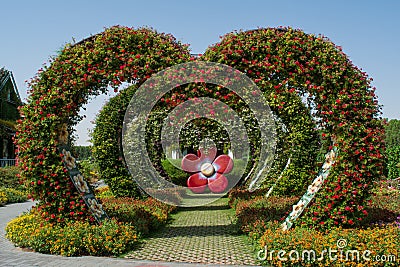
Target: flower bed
{"x": 130, "y": 220}
{"x": 349, "y": 247}
{"x": 11, "y": 195}
{"x": 72, "y": 239}
{"x": 261, "y": 219}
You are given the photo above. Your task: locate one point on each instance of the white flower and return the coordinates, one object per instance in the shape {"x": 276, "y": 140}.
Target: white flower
{"x": 95, "y": 207}
{"x": 63, "y": 134}
{"x": 297, "y": 209}
{"x": 81, "y": 183}
{"x": 69, "y": 159}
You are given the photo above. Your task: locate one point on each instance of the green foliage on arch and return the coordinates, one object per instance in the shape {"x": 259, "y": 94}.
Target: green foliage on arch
{"x": 106, "y": 139}
{"x": 392, "y": 133}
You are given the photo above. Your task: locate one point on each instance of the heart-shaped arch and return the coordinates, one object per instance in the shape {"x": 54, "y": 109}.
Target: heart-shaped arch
{"x": 285, "y": 60}
{"x": 88, "y": 68}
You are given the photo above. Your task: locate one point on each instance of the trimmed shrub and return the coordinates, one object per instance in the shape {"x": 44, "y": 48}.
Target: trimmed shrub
{"x": 145, "y": 215}
{"x": 14, "y": 195}
{"x": 9, "y": 178}
{"x": 252, "y": 213}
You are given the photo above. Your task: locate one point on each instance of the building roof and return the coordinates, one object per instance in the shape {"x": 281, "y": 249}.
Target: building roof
{"x": 5, "y": 76}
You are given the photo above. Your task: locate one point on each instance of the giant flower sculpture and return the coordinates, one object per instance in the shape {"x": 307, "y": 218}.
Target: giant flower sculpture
{"x": 207, "y": 170}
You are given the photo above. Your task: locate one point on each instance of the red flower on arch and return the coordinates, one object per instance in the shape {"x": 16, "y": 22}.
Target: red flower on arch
{"x": 207, "y": 170}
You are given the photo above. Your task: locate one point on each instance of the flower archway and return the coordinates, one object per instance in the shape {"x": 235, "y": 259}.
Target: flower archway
{"x": 286, "y": 64}
{"x": 119, "y": 54}
{"x": 285, "y": 61}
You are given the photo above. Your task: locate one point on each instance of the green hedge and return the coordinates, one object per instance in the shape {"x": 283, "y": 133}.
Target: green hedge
{"x": 393, "y": 161}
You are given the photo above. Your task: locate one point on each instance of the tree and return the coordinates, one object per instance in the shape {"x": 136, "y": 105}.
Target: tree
{"x": 392, "y": 137}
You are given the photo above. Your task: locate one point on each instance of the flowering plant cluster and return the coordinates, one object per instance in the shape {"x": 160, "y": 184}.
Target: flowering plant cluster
{"x": 131, "y": 219}
{"x": 362, "y": 247}
{"x": 261, "y": 219}
{"x": 77, "y": 238}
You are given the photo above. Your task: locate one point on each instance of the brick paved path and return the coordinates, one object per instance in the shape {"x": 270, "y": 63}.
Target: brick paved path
{"x": 217, "y": 234}
{"x": 202, "y": 234}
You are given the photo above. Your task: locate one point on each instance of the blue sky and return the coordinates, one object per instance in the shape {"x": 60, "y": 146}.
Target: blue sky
{"x": 368, "y": 31}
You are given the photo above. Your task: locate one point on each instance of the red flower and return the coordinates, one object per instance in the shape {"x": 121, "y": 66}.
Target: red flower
{"x": 207, "y": 170}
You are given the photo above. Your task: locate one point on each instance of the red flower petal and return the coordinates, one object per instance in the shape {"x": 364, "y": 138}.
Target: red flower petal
{"x": 223, "y": 164}
{"x": 217, "y": 183}
{"x": 191, "y": 163}
{"x": 197, "y": 183}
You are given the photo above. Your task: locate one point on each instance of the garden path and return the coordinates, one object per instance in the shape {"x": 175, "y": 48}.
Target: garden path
{"x": 203, "y": 234}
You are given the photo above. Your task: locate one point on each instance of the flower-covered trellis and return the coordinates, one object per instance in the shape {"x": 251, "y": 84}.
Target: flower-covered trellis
{"x": 286, "y": 65}
{"x": 285, "y": 61}
{"x": 119, "y": 54}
